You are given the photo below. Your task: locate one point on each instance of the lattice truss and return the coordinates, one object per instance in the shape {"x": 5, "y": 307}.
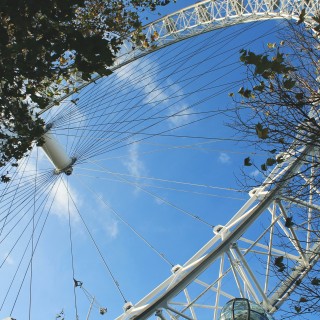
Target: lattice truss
{"x": 209, "y": 15}
{"x": 268, "y": 246}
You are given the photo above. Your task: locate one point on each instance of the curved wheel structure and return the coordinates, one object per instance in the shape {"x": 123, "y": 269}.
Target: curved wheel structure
{"x": 247, "y": 261}
{"x": 277, "y": 224}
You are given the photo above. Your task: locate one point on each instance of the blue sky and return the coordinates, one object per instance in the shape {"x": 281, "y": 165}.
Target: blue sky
{"x": 158, "y": 186}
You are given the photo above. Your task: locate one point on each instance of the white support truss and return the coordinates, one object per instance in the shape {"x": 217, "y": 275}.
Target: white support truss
{"x": 239, "y": 261}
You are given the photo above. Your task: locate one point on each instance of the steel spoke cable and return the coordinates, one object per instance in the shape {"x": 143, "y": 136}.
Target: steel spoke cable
{"x": 11, "y": 183}
{"x": 35, "y": 247}
{"x": 20, "y": 234}
{"x": 163, "y": 53}
{"x": 163, "y": 180}
{"x": 141, "y": 89}
{"x": 91, "y": 298}
{"x": 9, "y": 208}
{"x": 95, "y": 123}
{"x": 185, "y": 212}
{"x": 21, "y": 200}
{"x": 116, "y": 283}
{"x": 23, "y": 186}
{"x": 71, "y": 251}
{"x": 165, "y": 188}
{"x": 22, "y": 183}
{"x": 15, "y": 192}
{"x": 166, "y": 108}
{"x": 88, "y": 125}
{"x": 21, "y": 259}
{"x": 213, "y": 139}
{"x": 174, "y": 114}
{"x": 208, "y": 44}
{"x": 32, "y": 235}
{"x": 168, "y": 117}
{"x": 251, "y": 41}
{"x": 193, "y": 146}
{"x": 99, "y": 99}
{"x": 21, "y": 218}
{"x": 148, "y": 136}
{"x": 134, "y": 230}
{"x": 158, "y": 122}
{"x": 164, "y": 100}
{"x": 88, "y": 93}
{"x": 17, "y": 215}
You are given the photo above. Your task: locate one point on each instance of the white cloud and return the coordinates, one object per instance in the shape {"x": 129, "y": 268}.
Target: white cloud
{"x": 224, "y": 158}
{"x": 109, "y": 222}
{"x": 157, "y": 94}
{"x": 63, "y": 203}
{"x": 255, "y": 173}
{"x": 9, "y": 259}
{"x": 112, "y": 228}
{"x": 134, "y": 164}
{"x": 158, "y": 201}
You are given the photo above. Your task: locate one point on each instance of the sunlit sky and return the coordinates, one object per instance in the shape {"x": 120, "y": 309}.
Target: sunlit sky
{"x": 148, "y": 202}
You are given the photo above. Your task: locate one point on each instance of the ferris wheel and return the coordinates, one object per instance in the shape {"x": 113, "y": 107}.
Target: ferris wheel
{"x": 164, "y": 103}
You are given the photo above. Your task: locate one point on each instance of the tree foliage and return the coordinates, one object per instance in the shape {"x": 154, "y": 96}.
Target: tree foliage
{"x": 280, "y": 100}
{"x": 44, "y": 44}
{"x": 277, "y": 107}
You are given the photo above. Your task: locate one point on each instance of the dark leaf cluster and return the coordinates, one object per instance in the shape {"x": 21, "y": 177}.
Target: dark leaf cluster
{"x": 42, "y": 45}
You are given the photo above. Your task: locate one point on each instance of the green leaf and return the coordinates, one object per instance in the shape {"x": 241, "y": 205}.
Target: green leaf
{"x": 260, "y": 87}
{"x": 270, "y": 162}
{"x": 303, "y": 299}
{"x": 315, "y": 281}
{"x": 289, "y": 84}
{"x": 289, "y": 222}
{"x": 264, "y": 167}
{"x": 245, "y": 92}
{"x": 247, "y": 162}
{"x": 297, "y": 308}
{"x": 278, "y": 260}
{"x": 261, "y": 131}
{"x": 280, "y": 159}
{"x": 5, "y": 179}
{"x": 302, "y": 16}
{"x": 299, "y": 96}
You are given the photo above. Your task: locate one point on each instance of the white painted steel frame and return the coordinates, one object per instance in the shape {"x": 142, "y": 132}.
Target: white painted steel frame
{"x": 228, "y": 241}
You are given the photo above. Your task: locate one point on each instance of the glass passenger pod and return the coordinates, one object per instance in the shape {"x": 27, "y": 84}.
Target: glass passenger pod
{"x": 243, "y": 309}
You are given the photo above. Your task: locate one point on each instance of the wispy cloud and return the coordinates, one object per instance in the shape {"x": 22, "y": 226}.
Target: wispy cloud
{"x": 9, "y": 259}
{"x": 224, "y": 158}
{"x": 134, "y": 164}
{"x": 112, "y": 228}
{"x": 158, "y": 95}
{"x": 63, "y": 203}
{"x": 109, "y": 222}
{"x": 255, "y": 173}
